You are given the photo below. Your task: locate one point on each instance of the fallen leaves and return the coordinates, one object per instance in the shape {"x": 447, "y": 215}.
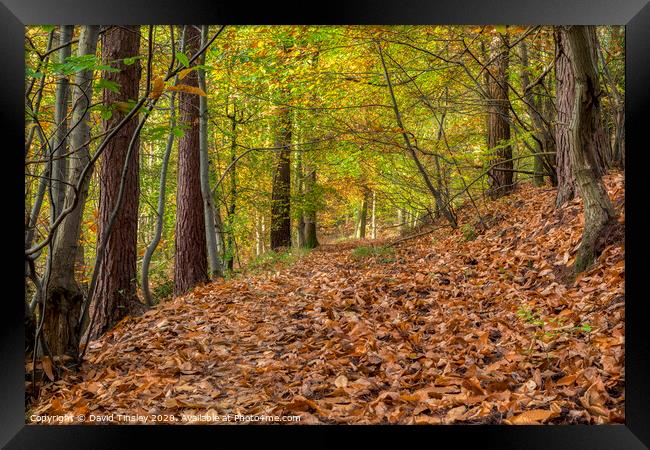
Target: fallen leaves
{"x": 531, "y": 417}
{"x": 47, "y": 367}
{"x": 429, "y": 336}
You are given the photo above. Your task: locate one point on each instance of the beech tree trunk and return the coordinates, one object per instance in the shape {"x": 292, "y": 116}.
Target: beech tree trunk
{"x": 281, "y": 190}
{"x": 190, "y": 263}
{"x": 500, "y": 180}
{"x": 585, "y": 137}
{"x": 64, "y": 296}
{"x": 116, "y": 292}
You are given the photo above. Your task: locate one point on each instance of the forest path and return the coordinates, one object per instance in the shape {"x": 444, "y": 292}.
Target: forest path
{"x": 441, "y": 330}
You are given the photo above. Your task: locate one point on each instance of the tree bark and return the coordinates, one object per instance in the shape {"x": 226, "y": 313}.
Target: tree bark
{"x": 311, "y": 239}
{"x": 116, "y": 292}
{"x": 281, "y": 189}
{"x": 59, "y": 147}
{"x": 300, "y": 185}
{"x": 232, "y": 205}
{"x": 565, "y": 92}
{"x": 585, "y": 145}
{"x": 190, "y": 263}
{"x": 363, "y": 215}
{"x": 160, "y": 210}
{"x": 500, "y": 176}
{"x": 208, "y": 203}
{"x": 374, "y": 216}
{"x": 64, "y": 296}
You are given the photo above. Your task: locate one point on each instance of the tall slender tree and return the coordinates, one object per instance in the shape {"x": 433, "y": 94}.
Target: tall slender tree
{"x": 59, "y": 142}
{"x": 362, "y": 215}
{"x": 64, "y": 296}
{"x": 208, "y": 201}
{"x": 116, "y": 291}
{"x": 190, "y": 263}
{"x": 311, "y": 239}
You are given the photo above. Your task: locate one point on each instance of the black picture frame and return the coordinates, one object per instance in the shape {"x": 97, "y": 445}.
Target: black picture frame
{"x": 635, "y": 14}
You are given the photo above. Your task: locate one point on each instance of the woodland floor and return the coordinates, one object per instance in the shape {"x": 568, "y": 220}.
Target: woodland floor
{"x": 442, "y": 330}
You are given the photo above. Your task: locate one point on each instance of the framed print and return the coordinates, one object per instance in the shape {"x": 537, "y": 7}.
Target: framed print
{"x": 369, "y": 218}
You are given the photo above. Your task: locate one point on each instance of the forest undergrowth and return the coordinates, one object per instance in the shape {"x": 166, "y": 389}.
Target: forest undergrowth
{"x": 470, "y": 326}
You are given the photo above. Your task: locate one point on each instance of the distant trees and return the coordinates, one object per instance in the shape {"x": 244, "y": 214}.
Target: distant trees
{"x": 190, "y": 261}
{"x": 362, "y": 214}
{"x": 540, "y": 109}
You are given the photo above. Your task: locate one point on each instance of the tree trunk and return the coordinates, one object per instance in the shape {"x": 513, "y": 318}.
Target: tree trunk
{"x": 64, "y": 297}
{"x": 565, "y": 92}
{"x": 116, "y": 292}
{"x": 232, "y": 206}
{"x": 190, "y": 263}
{"x": 311, "y": 240}
{"x": 281, "y": 190}
{"x": 585, "y": 145}
{"x": 300, "y": 193}
{"x": 500, "y": 176}
{"x": 362, "y": 217}
{"x": 208, "y": 204}
{"x": 163, "y": 188}
{"x": 374, "y": 215}
{"x": 59, "y": 147}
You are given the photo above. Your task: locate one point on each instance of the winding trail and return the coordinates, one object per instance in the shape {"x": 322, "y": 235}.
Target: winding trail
{"x": 440, "y": 330}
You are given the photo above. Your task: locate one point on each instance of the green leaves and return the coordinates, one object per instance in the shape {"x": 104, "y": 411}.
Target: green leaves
{"x": 33, "y": 74}
{"x": 183, "y": 59}
{"x": 107, "y": 84}
{"x": 131, "y": 60}
{"x": 74, "y": 64}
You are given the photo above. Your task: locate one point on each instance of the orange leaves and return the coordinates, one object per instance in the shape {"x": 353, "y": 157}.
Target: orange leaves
{"x": 341, "y": 381}
{"x": 157, "y": 88}
{"x": 188, "y": 89}
{"x": 430, "y": 335}
{"x": 531, "y": 417}
{"x": 47, "y": 367}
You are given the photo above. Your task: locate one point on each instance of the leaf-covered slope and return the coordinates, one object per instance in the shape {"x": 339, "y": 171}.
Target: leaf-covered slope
{"x": 442, "y": 330}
